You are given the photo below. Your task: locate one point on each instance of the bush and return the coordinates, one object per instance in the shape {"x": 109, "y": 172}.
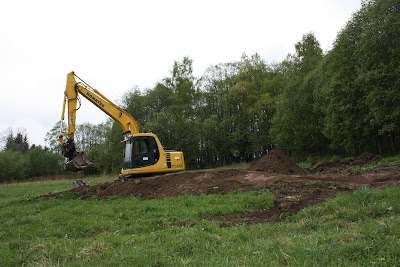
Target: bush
{"x": 17, "y": 165}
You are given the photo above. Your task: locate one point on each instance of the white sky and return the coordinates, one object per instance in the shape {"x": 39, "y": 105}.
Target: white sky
{"x": 114, "y": 45}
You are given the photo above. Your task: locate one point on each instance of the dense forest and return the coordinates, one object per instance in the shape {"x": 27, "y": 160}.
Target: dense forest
{"x": 342, "y": 102}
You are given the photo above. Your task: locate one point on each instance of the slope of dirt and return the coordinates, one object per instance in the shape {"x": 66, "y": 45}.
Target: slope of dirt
{"x": 340, "y": 165}
{"x": 292, "y": 192}
{"x": 172, "y": 185}
{"x": 276, "y": 161}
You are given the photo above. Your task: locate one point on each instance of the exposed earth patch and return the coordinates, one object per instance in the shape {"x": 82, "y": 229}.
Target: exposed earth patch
{"x": 292, "y": 187}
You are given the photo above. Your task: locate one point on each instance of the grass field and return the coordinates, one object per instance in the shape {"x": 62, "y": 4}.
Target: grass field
{"x": 362, "y": 228}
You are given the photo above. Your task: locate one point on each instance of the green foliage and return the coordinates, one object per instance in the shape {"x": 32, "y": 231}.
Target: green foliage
{"x": 297, "y": 123}
{"x": 251, "y": 104}
{"x": 345, "y": 102}
{"x": 391, "y": 161}
{"x": 13, "y": 165}
{"x": 218, "y": 119}
{"x": 108, "y": 155}
{"x": 52, "y": 136}
{"x": 42, "y": 162}
{"x": 361, "y": 93}
{"x": 17, "y": 165}
{"x": 239, "y": 102}
{"x": 19, "y": 142}
{"x": 87, "y": 135}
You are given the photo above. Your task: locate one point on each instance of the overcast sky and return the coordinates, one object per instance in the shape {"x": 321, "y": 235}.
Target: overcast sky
{"x": 115, "y": 45}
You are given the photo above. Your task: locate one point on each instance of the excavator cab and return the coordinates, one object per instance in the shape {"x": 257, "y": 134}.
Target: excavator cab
{"x": 141, "y": 151}
{"x": 143, "y": 155}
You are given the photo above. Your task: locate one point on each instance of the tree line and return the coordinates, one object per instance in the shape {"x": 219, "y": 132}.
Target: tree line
{"x": 19, "y": 160}
{"x": 343, "y": 102}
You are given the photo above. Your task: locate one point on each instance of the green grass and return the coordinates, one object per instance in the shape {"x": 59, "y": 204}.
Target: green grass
{"x": 28, "y": 190}
{"x": 391, "y": 161}
{"x": 356, "y": 229}
{"x": 376, "y": 166}
{"x": 305, "y": 164}
{"x": 240, "y": 165}
{"x": 116, "y": 231}
{"x": 312, "y": 162}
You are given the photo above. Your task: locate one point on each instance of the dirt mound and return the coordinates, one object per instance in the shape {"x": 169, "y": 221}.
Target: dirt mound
{"x": 292, "y": 192}
{"x": 339, "y": 165}
{"x": 276, "y": 161}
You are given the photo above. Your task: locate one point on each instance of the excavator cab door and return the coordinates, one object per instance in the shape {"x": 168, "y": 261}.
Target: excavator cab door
{"x": 140, "y": 151}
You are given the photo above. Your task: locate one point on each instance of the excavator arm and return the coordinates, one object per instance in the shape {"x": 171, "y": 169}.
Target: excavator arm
{"x": 77, "y": 160}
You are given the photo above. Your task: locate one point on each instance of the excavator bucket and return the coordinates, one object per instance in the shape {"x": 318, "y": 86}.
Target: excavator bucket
{"x": 79, "y": 163}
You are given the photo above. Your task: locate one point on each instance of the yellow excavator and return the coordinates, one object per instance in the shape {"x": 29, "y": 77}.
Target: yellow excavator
{"x": 143, "y": 153}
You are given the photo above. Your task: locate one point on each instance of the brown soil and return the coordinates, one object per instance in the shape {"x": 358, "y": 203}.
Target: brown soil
{"x": 276, "y": 161}
{"x": 292, "y": 192}
{"x": 340, "y": 165}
